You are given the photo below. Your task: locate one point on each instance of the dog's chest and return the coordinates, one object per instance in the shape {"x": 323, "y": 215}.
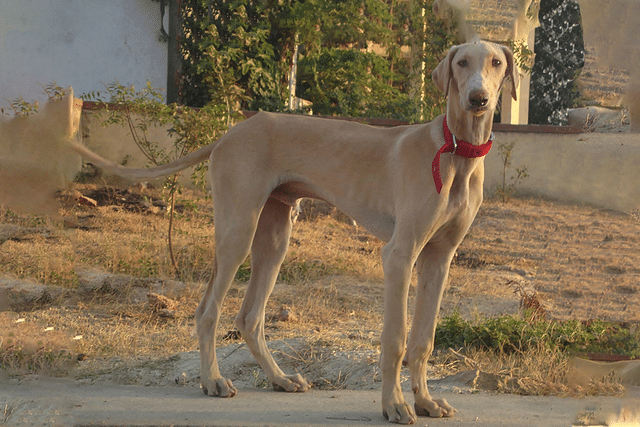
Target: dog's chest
{"x": 465, "y": 193}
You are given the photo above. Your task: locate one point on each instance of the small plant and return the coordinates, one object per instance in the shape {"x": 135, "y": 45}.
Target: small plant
{"x": 20, "y": 107}
{"x": 137, "y": 111}
{"x": 523, "y": 55}
{"x": 6, "y": 413}
{"x": 53, "y": 91}
{"x": 259, "y": 381}
{"x": 244, "y": 271}
{"x": 506, "y": 190}
{"x": 530, "y": 306}
{"x": 191, "y": 129}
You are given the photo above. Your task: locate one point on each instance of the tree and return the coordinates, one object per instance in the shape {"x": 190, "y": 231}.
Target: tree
{"x": 352, "y": 63}
{"x": 353, "y": 54}
{"x": 559, "y": 57}
{"x": 234, "y": 52}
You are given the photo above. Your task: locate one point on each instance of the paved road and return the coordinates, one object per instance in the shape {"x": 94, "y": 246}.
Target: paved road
{"x": 49, "y": 402}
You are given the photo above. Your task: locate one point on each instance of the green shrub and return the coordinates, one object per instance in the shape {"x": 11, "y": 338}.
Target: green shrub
{"x": 514, "y": 333}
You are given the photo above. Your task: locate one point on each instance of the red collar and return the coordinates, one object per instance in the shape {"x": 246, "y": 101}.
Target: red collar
{"x": 456, "y": 146}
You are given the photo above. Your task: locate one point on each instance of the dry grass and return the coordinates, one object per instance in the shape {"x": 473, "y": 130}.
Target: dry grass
{"x": 36, "y": 248}
{"x": 539, "y": 371}
{"x": 114, "y": 323}
{"x": 581, "y": 261}
{"x": 30, "y": 345}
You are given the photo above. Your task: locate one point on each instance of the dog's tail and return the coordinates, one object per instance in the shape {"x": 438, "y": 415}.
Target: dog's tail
{"x": 142, "y": 174}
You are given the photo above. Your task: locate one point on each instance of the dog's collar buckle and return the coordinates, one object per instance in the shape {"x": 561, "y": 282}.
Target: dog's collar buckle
{"x": 460, "y": 148}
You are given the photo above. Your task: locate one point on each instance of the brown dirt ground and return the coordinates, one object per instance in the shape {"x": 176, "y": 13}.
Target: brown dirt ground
{"x": 582, "y": 262}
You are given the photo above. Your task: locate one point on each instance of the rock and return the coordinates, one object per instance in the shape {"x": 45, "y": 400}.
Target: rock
{"x": 162, "y": 304}
{"x": 594, "y": 118}
{"x": 166, "y": 313}
{"x": 473, "y": 379}
{"x": 286, "y": 315}
{"x": 19, "y": 234}
{"x": 87, "y": 201}
{"x": 20, "y": 295}
{"x": 93, "y": 280}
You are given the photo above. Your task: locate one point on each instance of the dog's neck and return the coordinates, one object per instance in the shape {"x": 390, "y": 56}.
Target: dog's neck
{"x": 469, "y": 127}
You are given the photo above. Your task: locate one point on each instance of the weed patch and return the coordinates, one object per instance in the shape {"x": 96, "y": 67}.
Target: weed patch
{"x": 516, "y": 334}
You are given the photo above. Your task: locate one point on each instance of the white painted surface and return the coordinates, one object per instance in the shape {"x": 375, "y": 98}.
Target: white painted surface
{"x": 599, "y": 169}
{"x": 79, "y": 43}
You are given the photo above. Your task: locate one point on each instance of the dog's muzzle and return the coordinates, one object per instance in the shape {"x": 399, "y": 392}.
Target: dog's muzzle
{"x": 478, "y": 100}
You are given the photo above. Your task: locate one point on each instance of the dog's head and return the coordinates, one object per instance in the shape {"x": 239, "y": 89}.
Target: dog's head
{"x": 474, "y": 73}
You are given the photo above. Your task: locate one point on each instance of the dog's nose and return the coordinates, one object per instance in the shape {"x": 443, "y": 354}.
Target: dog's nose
{"x": 478, "y": 99}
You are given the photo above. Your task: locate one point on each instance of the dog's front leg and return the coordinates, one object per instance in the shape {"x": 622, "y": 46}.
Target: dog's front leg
{"x": 397, "y": 264}
{"x": 432, "y": 268}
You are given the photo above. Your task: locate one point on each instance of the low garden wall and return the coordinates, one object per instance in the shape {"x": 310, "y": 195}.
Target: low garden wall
{"x": 600, "y": 169}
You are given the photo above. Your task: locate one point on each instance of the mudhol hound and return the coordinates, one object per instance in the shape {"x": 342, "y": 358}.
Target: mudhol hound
{"x": 416, "y": 187}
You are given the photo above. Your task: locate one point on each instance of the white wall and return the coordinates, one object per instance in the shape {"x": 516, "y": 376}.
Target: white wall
{"x": 79, "y": 43}
{"x": 599, "y": 169}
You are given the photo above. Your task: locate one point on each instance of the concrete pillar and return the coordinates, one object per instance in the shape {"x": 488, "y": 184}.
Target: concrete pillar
{"x": 517, "y": 112}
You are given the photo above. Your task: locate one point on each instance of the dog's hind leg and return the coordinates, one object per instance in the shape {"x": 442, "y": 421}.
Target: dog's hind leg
{"x": 234, "y": 234}
{"x": 267, "y": 253}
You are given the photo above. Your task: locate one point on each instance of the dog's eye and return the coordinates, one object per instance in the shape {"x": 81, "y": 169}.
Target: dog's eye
{"x": 463, "y": 63}
{"x": 496, "y": 62}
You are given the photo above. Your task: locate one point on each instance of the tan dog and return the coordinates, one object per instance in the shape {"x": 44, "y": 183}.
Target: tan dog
{"x": 382, "y": 178}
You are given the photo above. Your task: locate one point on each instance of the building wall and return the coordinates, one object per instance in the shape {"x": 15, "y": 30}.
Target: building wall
{"x": 79, "y": 43}
{"x": 599, "y": 169}
{"x": 115, "y": 142}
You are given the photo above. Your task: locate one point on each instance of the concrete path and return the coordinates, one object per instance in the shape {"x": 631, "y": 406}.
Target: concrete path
{"x": 48, "y": 402}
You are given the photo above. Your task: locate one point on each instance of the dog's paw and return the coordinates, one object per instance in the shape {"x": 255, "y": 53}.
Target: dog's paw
{"x": 220, "y": 388}
{"x": 291, "y": 383}
{"x": 436, "y": 408}
{"x": 400, "y": 413}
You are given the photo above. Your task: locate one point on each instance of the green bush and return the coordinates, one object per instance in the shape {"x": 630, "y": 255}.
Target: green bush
{"x": 514, "y": 333}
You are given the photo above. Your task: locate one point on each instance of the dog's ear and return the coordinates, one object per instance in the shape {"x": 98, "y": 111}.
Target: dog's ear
{"x": 511, "y": 74}
{"x": 442, "y": 74}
